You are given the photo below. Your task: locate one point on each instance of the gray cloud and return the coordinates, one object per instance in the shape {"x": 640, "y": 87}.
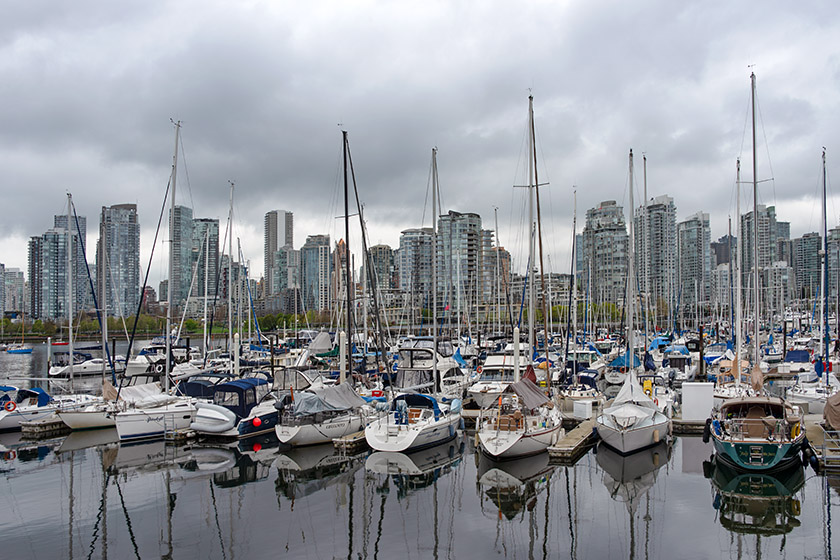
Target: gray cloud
{"x": 88, "y": 89}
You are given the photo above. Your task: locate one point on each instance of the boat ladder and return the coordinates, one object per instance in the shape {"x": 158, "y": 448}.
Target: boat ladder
{"x": 831, "y": 450}
{"x": 169, "y": 429}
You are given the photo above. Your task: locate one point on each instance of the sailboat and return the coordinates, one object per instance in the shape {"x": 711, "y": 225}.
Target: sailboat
{"x": 20, "y": 347}
{"x": 633, "y": 421}
{"x": 813, "y": 394}
{"x": 759, "y": 432}
{"x": 165, "y": 413}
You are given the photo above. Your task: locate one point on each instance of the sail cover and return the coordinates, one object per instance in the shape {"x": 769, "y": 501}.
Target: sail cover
{"x": 831, "y": 413}
{"x": 529, "y": 394}
{"x": 328, "y": 399}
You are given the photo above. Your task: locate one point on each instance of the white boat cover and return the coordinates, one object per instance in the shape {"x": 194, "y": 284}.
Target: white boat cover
{"x": 320, "y": 344}
{"x": 631, "y": 404}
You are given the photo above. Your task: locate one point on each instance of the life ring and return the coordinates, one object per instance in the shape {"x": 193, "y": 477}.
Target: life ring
{"x": 794, "y": 431}
{"x": 158, "y": 368}
{"x": 622, "y": 369}
{"x": 10, "y": 455}
{"x": 10, "y": 406}
{"x": 656, "y": 401}
{"x": 795, "y": 507}
{"x": 479, "y": 369}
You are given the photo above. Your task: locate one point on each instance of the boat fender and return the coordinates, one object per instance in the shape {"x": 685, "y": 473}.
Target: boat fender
{"x": 9, "y": 455}
{"x": 655, "y": 436}
{"x": 708, "y": 469}
{"x": 455, "y": 406}
{"x": 10, "y": 406}
{"x": 707, "y": 431}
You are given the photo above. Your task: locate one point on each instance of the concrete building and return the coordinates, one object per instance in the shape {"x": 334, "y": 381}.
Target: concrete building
{"x": 414, "y": 266}
{"x": 15, "y": 290}
{"x": 461, "y": 246}
{"x": 181, "y": 224}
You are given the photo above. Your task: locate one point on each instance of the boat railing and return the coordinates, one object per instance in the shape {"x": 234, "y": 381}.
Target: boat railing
{"x": 769, "y": 427}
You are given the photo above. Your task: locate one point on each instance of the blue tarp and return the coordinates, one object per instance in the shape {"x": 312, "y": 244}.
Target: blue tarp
{"x": 418, "y": 400}
{"x": 658, "y": 342}
{"x": 622, "y": 360}
{"x": 798, "y": 356}
{"x": 649, "y": 365}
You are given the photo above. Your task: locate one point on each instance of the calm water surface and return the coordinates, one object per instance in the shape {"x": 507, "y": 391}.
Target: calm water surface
{"x": 86, "y": 496}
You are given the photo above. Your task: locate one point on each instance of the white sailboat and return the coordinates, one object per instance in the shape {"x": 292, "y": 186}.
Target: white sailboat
{"x": 177, "y": 413}
{"x": 526, "y": 422}
{"x": 633, "y": 421}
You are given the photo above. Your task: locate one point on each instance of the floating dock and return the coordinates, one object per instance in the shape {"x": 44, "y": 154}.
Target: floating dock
{"x": 825, "y": 444}
{"x": 574, "y": 444}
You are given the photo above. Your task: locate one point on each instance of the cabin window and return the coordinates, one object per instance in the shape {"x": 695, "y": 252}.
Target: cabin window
{"x": 226, "y": 398}
{"x": 250, "y": 397}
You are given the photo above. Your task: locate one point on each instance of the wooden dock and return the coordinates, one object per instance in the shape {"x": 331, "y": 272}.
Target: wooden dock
{"x": 50, "y": 426}
{"x": 351, "y": 443}
{"x": 682, "y": 427}
{"x": 574, "y": 444}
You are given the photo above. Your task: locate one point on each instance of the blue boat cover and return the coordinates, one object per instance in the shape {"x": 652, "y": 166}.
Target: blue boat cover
{"x": 798, "y": 356}
{"x": 418, "y": 399}
{"x": 622, "y": 360}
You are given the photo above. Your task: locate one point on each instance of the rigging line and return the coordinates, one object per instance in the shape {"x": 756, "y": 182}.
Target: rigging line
{"x": 146, "y": 279}
{"x": 766, "y": 145}
{"x": 186, "y": 171}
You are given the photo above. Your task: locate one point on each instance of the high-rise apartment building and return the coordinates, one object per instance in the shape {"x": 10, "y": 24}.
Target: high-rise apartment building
{"x": 695, "y": 259}
{"x": 48, "y": 269}
{"x": 279, "y": 233}
{"x": 205, "y": 255}
{"x": 15, "y": 290}
{"x": 461, "y": 245}
{"x": 605, "y": 247}
{"x": 316, "y": 272}
{"x": 181, "y": 223}
{"x": 656, "y": 249}
{"x": 807, "y": 264}
{"x": 384, "y": 268}
{"x": 414, "y": 265}
{"x": 118, "y": 260}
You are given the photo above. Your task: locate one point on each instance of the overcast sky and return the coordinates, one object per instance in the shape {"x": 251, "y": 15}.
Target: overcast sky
{"x": 88, "y": 89}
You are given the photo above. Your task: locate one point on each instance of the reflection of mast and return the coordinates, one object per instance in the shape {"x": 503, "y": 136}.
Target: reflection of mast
{"x": 572, "y": 543}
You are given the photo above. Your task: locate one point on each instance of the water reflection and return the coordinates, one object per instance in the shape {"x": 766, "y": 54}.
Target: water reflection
{"x": 418, "y": 470}
{"x": 756, "y": 503}
{"x": 302, "y": 471}
{"x": 512, "y": 486}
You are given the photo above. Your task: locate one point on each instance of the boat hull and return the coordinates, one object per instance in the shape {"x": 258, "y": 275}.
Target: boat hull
{"x": 634, "y": 439}
{"x": 154, "y": 422}
{"x": 383, "y": 434}
{"x": 323, "y": 432}
{"x": 757, "y": 455}
{"x": 500, "y": 444}
{"x": 87, "y": 419}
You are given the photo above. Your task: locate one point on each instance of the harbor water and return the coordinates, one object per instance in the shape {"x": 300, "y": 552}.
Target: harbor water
{"x": 87, "y": 496}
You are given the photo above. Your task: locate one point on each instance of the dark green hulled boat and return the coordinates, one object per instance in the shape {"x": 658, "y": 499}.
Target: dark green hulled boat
{"x": 757, "y": 433}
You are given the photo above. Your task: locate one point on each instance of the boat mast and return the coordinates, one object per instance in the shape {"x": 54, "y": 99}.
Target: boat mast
{"x": 498, "y": 274}
{"x": 824, "y": 332}
{"x": 631, "y": 278}
{"x": 347, "y": 290}
{"x": 206, "y": 279}
{"x": 69, "y": 251}
{"x": 546, "y": 323}
{"x": 230, "y": 277}
{"x": 739, "y": 248}
{"x": 756, "y": 302}
{"x": 646, "y": 248}
{"x": 532, "y": 229}
{"x": 171, "y": 287}
{"x": 574, "y": 288}
{"x": 434, "y": 269}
